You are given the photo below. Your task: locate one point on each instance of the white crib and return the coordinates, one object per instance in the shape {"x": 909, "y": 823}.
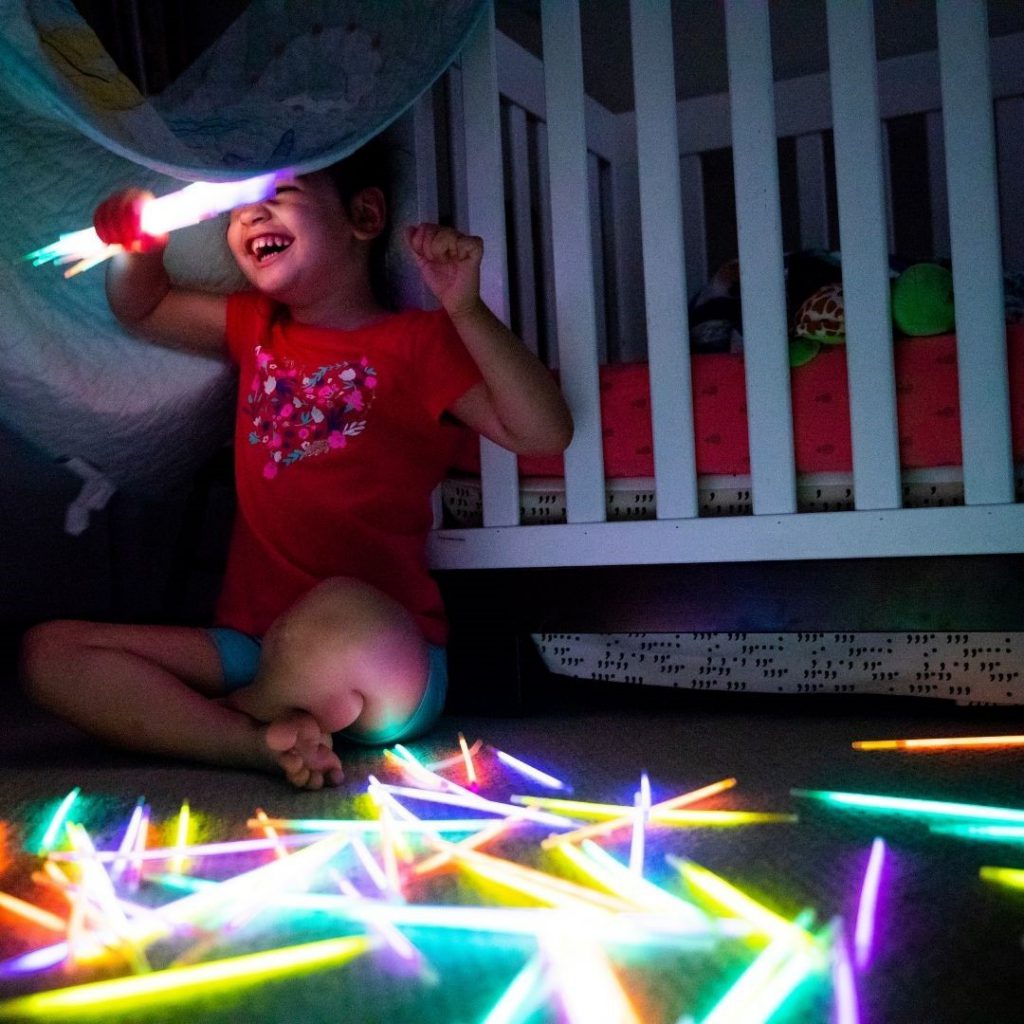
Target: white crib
{"x": 624, "y": 236}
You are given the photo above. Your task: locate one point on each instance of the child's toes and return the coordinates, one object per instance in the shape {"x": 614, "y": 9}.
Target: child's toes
{"x": 282, "y": 734}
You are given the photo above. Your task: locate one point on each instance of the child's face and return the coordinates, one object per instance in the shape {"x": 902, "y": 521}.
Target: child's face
{"x": 293, "y": 246}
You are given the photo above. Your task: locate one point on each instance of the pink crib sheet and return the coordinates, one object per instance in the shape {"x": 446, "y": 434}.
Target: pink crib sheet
{"x": 928, "y": 409}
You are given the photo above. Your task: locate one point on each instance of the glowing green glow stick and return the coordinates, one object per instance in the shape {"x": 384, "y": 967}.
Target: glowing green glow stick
{"x": 909, "y": 805}
{"x": 53, "y": 830}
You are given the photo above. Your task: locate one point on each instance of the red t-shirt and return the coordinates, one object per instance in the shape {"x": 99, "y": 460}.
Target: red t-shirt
{"x": 339, "y": 443}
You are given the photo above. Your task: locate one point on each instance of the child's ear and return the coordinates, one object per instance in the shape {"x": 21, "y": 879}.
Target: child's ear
{"x": 368, "y": 213}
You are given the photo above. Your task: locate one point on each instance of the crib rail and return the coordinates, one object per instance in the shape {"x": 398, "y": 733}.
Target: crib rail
{"x": 581, "y": 181}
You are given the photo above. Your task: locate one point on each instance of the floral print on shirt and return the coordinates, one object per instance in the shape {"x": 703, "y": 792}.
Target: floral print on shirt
{"x": 296, "y": 414}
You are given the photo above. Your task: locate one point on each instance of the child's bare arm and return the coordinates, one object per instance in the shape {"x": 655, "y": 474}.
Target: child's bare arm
{"x": 140, "y": 292}
{"x": 518, "y": 405}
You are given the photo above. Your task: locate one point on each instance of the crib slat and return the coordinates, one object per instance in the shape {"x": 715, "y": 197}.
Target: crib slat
{"x": 661, "y": 220}
{"x": 862, "y": 228}
{"x": 813, "y": 194}
{"x": 759, "y": 230}
{"x": 574, "y": 258}
{"x": 519, "y": 162}
{"x": 977, "y": 265}
{"x": 486, "y": 217}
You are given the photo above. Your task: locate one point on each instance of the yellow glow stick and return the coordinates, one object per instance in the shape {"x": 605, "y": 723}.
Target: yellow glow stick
{"x": 589, "y": 809}
{"x": 394, "y": 883}
{"x": 30, "y": 912}
{"x": 371, "y": 826}
{"x": 168, "y": 985}
{"x": 467, "y": 757}
{"x": 726, "y": 895}
{"x": 180, "y": 863}
{"x": 1012, "y": 877}
{"x": 941, "y": 743}
{"x": 622, "y": 820}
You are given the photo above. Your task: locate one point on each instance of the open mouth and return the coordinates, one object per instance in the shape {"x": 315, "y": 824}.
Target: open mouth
{"x": 264, "y": 247}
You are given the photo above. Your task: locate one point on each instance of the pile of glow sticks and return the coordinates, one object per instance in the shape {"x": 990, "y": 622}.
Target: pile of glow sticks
{"x": 179, "y": 919}
{"x": 190, "y": 205}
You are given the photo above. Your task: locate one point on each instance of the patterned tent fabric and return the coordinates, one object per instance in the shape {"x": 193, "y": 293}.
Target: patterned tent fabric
{"x": 292, "y": 83}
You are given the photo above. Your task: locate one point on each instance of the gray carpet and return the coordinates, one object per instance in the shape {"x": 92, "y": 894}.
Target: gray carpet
{"x": 949, "y": 945}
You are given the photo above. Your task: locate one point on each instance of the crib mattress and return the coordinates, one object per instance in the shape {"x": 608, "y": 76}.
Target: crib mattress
{"x": 928, "y": 408}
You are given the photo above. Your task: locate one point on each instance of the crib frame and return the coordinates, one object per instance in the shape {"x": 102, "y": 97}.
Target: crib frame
{"x": 606, "y": 172}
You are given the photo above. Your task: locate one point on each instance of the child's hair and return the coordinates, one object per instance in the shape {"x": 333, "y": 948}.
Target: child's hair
{"x": 370, "y": 166}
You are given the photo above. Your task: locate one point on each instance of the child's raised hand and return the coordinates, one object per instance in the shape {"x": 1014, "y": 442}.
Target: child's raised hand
{"x": 118, "y": 221}
{"x": 450, "y": 264}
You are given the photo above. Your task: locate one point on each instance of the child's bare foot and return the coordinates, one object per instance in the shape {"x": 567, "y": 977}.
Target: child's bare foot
{"x": 303, "y": 751}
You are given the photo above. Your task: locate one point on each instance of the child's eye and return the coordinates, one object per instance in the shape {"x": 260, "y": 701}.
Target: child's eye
{"x": 286, "y": 188}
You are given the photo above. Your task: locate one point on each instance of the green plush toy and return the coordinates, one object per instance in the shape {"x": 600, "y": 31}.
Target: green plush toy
{"x": 922, "y": 300}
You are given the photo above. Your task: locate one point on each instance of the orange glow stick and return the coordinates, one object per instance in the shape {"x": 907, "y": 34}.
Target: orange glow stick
{"x": 468, "y": 758}
{"x": 30, "y": 912}
{"x": 941, "y": 743}
{"x": 271, "y": 833}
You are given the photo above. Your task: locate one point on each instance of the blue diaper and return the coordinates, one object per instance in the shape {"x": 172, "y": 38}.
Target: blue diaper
{"x": 240, "y": 658}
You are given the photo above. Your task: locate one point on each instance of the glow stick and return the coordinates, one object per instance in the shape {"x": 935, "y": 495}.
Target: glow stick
{"x": 38, "y": 960}
{"x": 387, "y": 839}
{"x": 373, "y": 869}
{"x": 605, "y": 827}
{"x": 184, "y": 981}
{"x": 226, "y": 848}
{"x": 719, "y": 891}
{"x": 195, "y": 203}
{"x": 530, "y": 772}
{"x": 864, "y": 931}
{"x": 30, "y": 912}
{"x": 141, "y": 838}
{"x": 179, "y": 864}
{"x": 642, "y": 805}
{"x": 53, "y": 830}
{"x": 793, "y": 973}
{"x": 128, "y": 841}
{"x": 844, "y": 986}
{"x": 526, "y": 991}
{"x": 585, "y": 809}
{"x": 271, "y": 833}
{"x": 447, "y": 762}
{"x": 474, "y": 802}
{"x": 731, "y": 1006}
{"x": 1012, "y": 877}
{"x": 467, "y": 757}
{"x": 372, "y": 825}
{"x": 999, "y": 833}
{"x": 907, "y": 805}
{"x": 941, "y": 743}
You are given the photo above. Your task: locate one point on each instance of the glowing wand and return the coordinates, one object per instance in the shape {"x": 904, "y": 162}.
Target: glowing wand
{"x": 196, "y": 202}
